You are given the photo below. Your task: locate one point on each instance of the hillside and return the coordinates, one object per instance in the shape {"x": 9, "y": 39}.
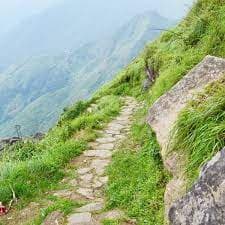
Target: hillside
{"x": 117, "y": 182}
{"x": 35, "y": 92}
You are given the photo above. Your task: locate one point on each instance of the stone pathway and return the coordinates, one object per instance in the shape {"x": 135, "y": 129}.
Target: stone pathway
{"x": 89, "y": 184}
{"x": 91, "y": 168}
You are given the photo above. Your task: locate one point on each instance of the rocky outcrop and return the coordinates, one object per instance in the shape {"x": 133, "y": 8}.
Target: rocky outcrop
{"x": 4, "y": 142}
{"x": 164, "y": 113}
{"x": 8, "y": 141}
{"x": 205, "y": 202}
{"x": 151, "y": 75}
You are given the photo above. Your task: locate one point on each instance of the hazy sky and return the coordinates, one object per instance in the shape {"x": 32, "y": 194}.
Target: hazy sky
{"x": 14, "y": 11}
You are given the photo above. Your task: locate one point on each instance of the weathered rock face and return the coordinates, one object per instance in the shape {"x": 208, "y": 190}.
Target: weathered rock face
{"x": 8, "y": 141}
{"x": 205, "y": 203}
{"x": 164, "y": 113}
{"x": 13, "y": 140}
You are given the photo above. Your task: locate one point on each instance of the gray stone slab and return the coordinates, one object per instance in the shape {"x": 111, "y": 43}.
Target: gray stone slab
{"x": 81, "y": 219}
{"x": 91, "y": 207}
{"x": 98, "y": 153}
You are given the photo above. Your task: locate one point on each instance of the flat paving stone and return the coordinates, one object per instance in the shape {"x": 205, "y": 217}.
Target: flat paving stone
{"x": 80, "y": 219}
{"x": 73, "y": 182}
{"x": 63, "y": 193}
{"x": 105, "y": 140}
{"x": 67, "y": 194}
{"x": 98, "y": 153}
{"x": 83, "y": 184}
{"x": 86, "y": 192}
{"x": 115, "y": 126}
{"x": 87, "y": 177}
{"x": 124, "y": 122}
{"x": 97, "y": 184}
{"x": 111, "y": 215}
{"x": 113, "y": 132}
{"x": 91, "y": 207}
{"x": 109, "y": 146}
{"x": 123, "y": 118}
{"x": 82, "y": 171}
{"x": 54, "y": 218}
{"x": 99, "y": 165}
{"x": 104, "y": 180}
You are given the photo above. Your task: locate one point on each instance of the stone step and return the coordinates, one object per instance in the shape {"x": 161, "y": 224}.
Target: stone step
{"x": 81, "y": 219}
{"x": 91, "y": 207}
{"x": 98, "y": 153}
{"x": 105, "y": 140}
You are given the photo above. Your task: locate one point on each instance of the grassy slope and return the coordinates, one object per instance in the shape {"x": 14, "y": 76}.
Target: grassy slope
{"x": 173, "y": 55}
{"x": 34, "y": 167}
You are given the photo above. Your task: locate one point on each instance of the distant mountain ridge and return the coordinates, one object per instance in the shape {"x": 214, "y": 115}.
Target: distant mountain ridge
{"x": 34, "y": 92}
{"x": 69, "y": 24}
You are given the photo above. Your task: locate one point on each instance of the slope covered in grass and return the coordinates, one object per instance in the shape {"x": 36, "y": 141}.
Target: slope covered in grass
{"x": 200, "y": 128}
{"x": 31, "y": 168}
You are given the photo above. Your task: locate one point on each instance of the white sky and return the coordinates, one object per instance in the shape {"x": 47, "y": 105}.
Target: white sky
{"x": 14, "y": 11}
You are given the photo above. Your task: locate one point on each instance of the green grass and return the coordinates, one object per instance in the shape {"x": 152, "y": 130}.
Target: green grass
{"x": 137, "y": 178}
{"x": 111, "y": 222}
{"x": 62, "y": 205}
{"x": 200, "y": 130}
{"x": 32, "y": 168}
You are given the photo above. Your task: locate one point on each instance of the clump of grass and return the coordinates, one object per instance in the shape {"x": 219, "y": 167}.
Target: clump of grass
{"x": 111, "y": 222}
{"x": 137, "y": 178}
{"x": 200, "y": 129}
{"x": 73, "y": 112}
{"x": 62, "y": 205}
{"x": 41, "y": 171}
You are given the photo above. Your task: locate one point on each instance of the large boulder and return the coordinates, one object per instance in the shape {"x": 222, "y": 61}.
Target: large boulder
{"x": 204, "y": 204}
{"x": 165, "y": 111}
